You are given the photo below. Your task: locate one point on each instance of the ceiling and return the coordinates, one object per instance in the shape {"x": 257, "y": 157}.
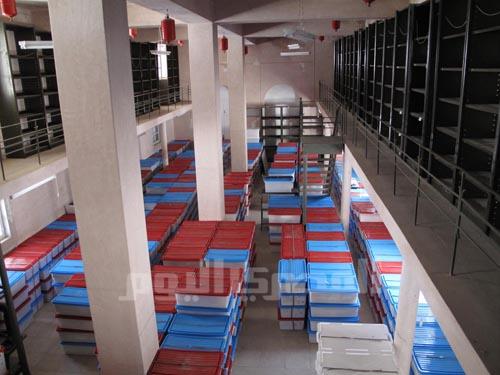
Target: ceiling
{"x": 259, "y": 18}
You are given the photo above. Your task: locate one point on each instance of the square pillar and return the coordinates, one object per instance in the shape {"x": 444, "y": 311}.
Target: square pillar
{"x": 237, "y": 103}
{"x": 207, "y": 128}
{"x": 406, "y": 318}
{"x": 345, "y": 206}
{"x": 92, "y": 56}
{"x": 164, "y": 142}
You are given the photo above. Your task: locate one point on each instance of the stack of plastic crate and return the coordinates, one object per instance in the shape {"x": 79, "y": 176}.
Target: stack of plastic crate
{"x": 292, "y": 302}
{"x": 283, "y": 209}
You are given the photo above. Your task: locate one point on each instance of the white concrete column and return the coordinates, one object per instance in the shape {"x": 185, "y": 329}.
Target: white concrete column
{"x": 164, "y": 142}
{"x": 237, "y": 103}
{"x": 92, "y": 56}
{"x": 406, "y": 318}
{"x": 207, "y": 128}
{"x": 345, "y": 205}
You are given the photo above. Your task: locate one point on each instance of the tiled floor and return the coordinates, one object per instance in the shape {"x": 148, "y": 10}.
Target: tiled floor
{"x": 263, "y": 349}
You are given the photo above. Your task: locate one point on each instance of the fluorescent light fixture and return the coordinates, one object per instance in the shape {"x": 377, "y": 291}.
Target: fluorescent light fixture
{"x": 36, "y": 44}
{"x": 32, "y": 187}
{"x": 294, "y": 46}
{"x": 295, "y": 53}
{"x": 159, "y": 53}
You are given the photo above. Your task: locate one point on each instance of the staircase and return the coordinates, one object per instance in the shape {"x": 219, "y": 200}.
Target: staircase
{"x": 11, "y": 340}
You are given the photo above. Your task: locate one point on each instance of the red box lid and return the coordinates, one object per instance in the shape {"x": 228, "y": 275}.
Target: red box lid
{"x": 76, "y": 281}
{"x": 293, "y": 248}
{"x": 285, "y": 211}
{"x": 189, "y": 358}
{"x": 389, "y": 267}
{"x": 329, "y": 257}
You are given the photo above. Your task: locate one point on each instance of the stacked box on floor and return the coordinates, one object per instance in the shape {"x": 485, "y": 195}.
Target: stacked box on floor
{"x": 291, "y": 270}
{"x": 35, "y": 257}
{"x": 283, "y": 209}
{"x": 209, "y": 305}
{"x": 333, "y": 286}
{"x": 292, "y": 277}
{"x": 281, "y": 179}
{"x": 74, "y": 320}
{"x": 254, "y": 153}
{"x": 21, "y": 299}
{"x": 176, "y": 147}
{"x": 237, "y": 190}
{"x": 382, "y": 265}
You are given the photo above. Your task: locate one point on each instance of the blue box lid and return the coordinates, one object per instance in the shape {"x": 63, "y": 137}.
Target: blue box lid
{"x": 329, "y": 246}
{"x": 72, "y": 296}
{"x": 152, "y": 198}
{"x": 163, "y": 321}
{"x": 281, "y": 172}
{"x": 284, "y": 201}
{"x": 233, "y": 192}
{"x": 390, "y": 280}
{"x": 153, "y": 246}
{"x": 430, "y": 336}
{"x": 271, "y": 179}
{"x": 14, "y": 278}
{"x": 182, "y": 197}
{"x": 436, "y": 361}
{"x": 320, "y": 202}
{"x": 292, "y": 271}
{"x": 336, "y": 269}
{"x": 161, "y": 185}
{"x": 198, "y": 325}
{"x": 184, "y": 184}
{"x": 224, "y": 255}
{"x": 324, "y": 227}
{"x": 63, "y": 225}
{"x": 167, "y": 175}
{"x": 68, "y": 267}
{"x": 333, "y": 284}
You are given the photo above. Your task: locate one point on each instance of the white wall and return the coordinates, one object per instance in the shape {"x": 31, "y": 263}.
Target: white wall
{"x": 146, "y": 146}
{"x": 183, "y": 126}
{"x": 265, "y": 68}
{"x": 35, "y": 209}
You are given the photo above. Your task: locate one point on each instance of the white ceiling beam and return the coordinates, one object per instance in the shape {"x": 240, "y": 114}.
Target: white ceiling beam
{"x": 263, "y": 11}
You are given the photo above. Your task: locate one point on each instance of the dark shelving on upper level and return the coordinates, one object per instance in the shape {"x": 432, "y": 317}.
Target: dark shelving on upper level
{"x": 426, "y": 81}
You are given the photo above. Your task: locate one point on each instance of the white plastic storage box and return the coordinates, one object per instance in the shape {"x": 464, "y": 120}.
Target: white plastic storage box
{"x": 332, "y": 283}
{"x": 341, "y": 310}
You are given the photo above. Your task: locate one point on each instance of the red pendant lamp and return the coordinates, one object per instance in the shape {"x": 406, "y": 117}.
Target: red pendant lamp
{"x": 180, "y": 43}
{"x": 246, "y": 50}
{"x": 167, "y": 27}
{"x": 321, "y": 38}
{"x": 368, "y": 2}
{"x": 224, "y": 44}
{"x": 8, "y": 8}
{"x": 335, "y": 25}
{"x": 132, "y": 32}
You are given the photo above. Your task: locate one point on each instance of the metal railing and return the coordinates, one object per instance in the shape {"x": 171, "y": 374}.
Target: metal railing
{"x": 36, "y": 135}
{"x": 170, "y": 97}
{"x": 331, "y": 101}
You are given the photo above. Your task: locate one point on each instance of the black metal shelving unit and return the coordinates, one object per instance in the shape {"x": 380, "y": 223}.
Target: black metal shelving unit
{"x": 21, "y": 93}
{"x": 426, "y": 82}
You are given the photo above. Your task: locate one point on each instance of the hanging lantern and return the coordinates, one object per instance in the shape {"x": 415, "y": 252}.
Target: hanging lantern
{"x": 180, "y": 43}
{"x": 132, "y": 32}
{"x": 246, "y": 50}
{"x": 167, "y": 29}
{"x": 368, "y": 2}
{"x": 224, "y": 44}
{"x": 335, "y": 25}
{"x": 8, "y": 8}
{"x": 321, "y": 38}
